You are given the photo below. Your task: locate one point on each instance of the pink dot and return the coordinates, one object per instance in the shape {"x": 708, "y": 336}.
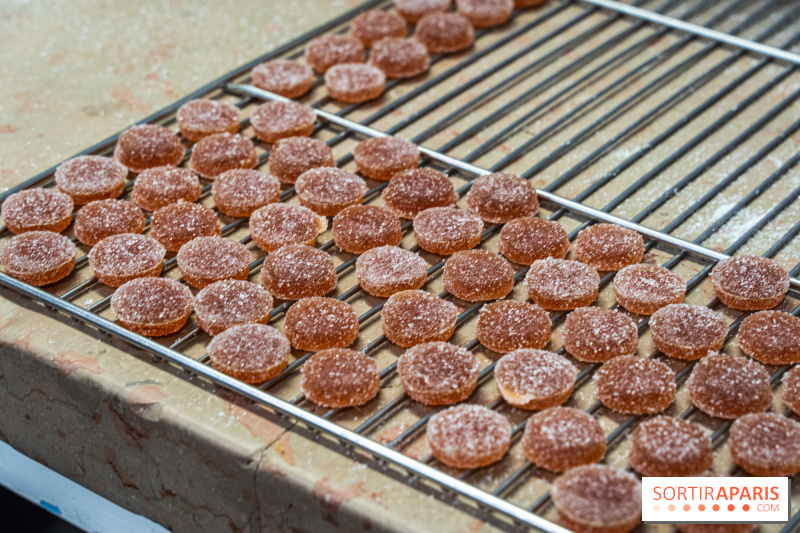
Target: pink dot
{"x": 671, "y": 507}
{"x": 686, "y": 507}
{"x": 656, "y": 507}
{"x": 731, "y": 507}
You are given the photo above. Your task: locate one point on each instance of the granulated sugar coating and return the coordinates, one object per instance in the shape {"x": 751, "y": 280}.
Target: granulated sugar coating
{"x": 790, "y": 389}
{"x": 380, "y": 158}
{"x": 447, "y": 230}
{"x": 468, "y": 436}
{"x": 297, "y": 271}
{"x": 161, "y": 186}
{"x": 200, "y": 118}
{"x": 359, "y": 228}
{"x": 239, "y": 192}
{"x": 371, "y": 26}
{"x": 644, "y": 289}
{"x": 500, "y": 198}
{"x": 400, "y": 57}
{"x": 340, "y": 378}
{"x": 750, "y": 283}
{"x": 508, "y": 325}
{"x": 413, "y": 10}
{"x": 596, "y": 334}
{"x": 325, "y": 51}
{"x": 38, "y": 257}
{"x": 534, "y": 379}
{"x": 443, "y": 33}
{"x": 561, "y": 284}
{"x": 438, "y": 373}
{"x": 37, "y": 209}
{"x": 485, "y": 13}
{"x": 727, "y": 386}
{"x": 293, "y": 156}
{"x": 204, "y": 260}
{"x": 386, "y": 270}
{"x": 561, "y": 438}
{"x": 414, "y": 317}
{"x": 120, "y": 258}
{"x": 772, "y": 337}
{"x": 277, "y": 224}
{"x": 148, "y": 146}
{"x": 478, "y": 275}
{"x": 527, "y": 239}
{"x": 253, "y": 353}
{"x": 152, "y": 306}
{"x": 231, "y": 302}
{"x": 688, "y": 332}
{"x": 609, "y": 246}
{"x": 217, "y": 153}
{"x": 415, "y": 190}
{"x": 598, "y": 499}
{"x": 102, "y": 218}
{"x": 766, "y": 444}
{"x": 284, "y": 77}
{"x": 318, "y": 323}
{"x": 634, "y": 385}
{"x": 669, "y": 447}
{"x": 326, "y": 191}
{"x": 176, "y": 224}
{"x": 92, "y": 177}
{"x": 353, "y": 83}
{"x": 274, "y": 121}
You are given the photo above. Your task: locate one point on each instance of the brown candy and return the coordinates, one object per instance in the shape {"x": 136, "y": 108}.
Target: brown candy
{"x": 293, "y": 156}
{"x": 253, "y": 353}
{"x": 415, "y": 190}
{"x": 508, "y": 325}
{"x": 152, "y": 306}
{"x": 239, "y": 192}
{"x": 380, "y": 158}
{"x": 468, "y": 436}
{"x": 284, "y": 77}
{"x": 445, "y": 32}
{"x": 353, "y": 83}
{"x": 274, "y": 121}
{"x": 201, "y": 118}
{"x": 102, "y": 218}
{"x": 37, "y": 209}
{"x": 277, "y": 224}
{"x": 527, "y": 239}
{"x": 38, "y": 257}
{"x": 596, "y": 334}
{"x": 561, "y": 438}
{"x": 485, "y": 13}
{"x": 325, "y": 51}
{"x": 727, "y": 386}
{"x": 447, "y": 230}
{"x": 669, "y": 447}
{"x": 91, "y": 177}
{"x": 772, "y": 337}
{"x": 688, "y": 332}
{"x": 297, "y": 271}
{"x": 644, "y": 289}
{"x": 327, "y": 191}
{"x": 400, "y": 57}
{"x": 339, "y": 377}
{"x": 560, "y": 284}
{"x": 438, "y": 373}
{"x": 609, "y": 247}
{"x": 161, "y": 186}
{"x": 500, "y": 198}
{"x": 371, "y": 26}
{"x": 635, "y": 386}
{"x": 766, "y": 444}
{"x": 478, "y": 275}
{"x": 317, "y": 323}
{"x": 205, "y": 260}
{"x": 534, "y": 379}
{"x": 148, "y": 146}
{"x": 220, "y": 152}
{"x": 750, "y": 283}
{"x": 415, "y": 317}
{"x": 413, "y": 10}
{"x": 176, "y": 224}
{"x": 120, "y": 258}
{"x": 790, "y": 391}
{"x": 386, "y": 270}
{"x": 359, "y": 228}
{"x": 229, "y": 303}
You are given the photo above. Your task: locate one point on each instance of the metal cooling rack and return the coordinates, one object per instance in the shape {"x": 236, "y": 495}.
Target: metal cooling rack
{"x": 677, "y": 118}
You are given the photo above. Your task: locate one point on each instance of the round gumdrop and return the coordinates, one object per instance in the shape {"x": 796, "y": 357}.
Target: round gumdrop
{"x": 485, "y": 13}
{"x": 229, "y": 303}
{"x": 283, "y": 77}
{"x": 274, "y": 225}
{"x": 750, "y": 283}
{"x": 561, "y": 284}
{"x": 176, "y": 224}
{"x": 438, "y": 373}
{"x": 596, "y": 334}
{"x": 534, "y": 379}
{"x": 609, "y": 246}
{"x": 239, "y": 192}
{"x": 148, "y": 146}
{"x": 152, "y": 306}
{"x": 688, "y": 332}
{"x": 635, "y": 386}
{"x": 508, "y": 325}
{"x": 478, "y": 275}
{"x": 644, "y": 289}
{"x": 766, "y": 444}
{"x": 447, "y": 230}
{"x": 386, "y": 270}
{"x": 727, "y": 386}
{"x": 445, "y": 32}
{"x": 371, "y": 26}
{"x": 359, "y": 228}
{"x": 527, "y": 239}
{"x": 381, "y": 158}
{"x": 418, "y": 189}
{"x": 205, "y": 260}
{"x": 274, "y": 121}
{"x": 327, "y": 191}
{"x": 161, "y": 186}
{"x": 297, "y": 271}
{"x": 468, "y": 436}
{"x": 37, "y": 210}
{"x": 318, "y": 323}
{"x": 790, "y": 390}
{"x": 38, "y": 257}
{"x": 670, "y": 447}
{"x": 561, "y": 438}
{"x": 499, "y": 198}
{"x": 293, "y": 156}
{"x": 325, "y": 51}
{"x": 221, "y": 152}
{"x": 400, "y": 57}
{"x": 772, "y": 337}
{"x": 120, "y": 258}
{"x": 102, "y": 218}
{"x": 353, "y": 83}
{"x": 253, "y": 353}
{"x": 414, "y": 317}
{"x": 413, "y": 10}
{"x": 92, "y": 177}
{"x": 339, "y": 377}
{"x": 201, "y": 118}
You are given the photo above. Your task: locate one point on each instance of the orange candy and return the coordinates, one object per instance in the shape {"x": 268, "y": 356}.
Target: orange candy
{"x": 37, "y": 210}
{"x": 526, "y": 239}
{"x": 399, "y": 57}
{"x": 790, "y": 391}
{"x": 253, "y": 353}
{"x": 445, "y": 32}
{"x": 485, "y": 13}
{"x": 38, "y": 257}
{"x": 596, "y": 334}
{"x": 508, "y": 325}
{"x": 220, "y": 152}
{"x": 161, "y": 186}
{"x": 386, "y": 270}
{"x": 359, "y": 228}
{"x": 148, "y": 146}
{"x": 644, "y": 289}
{"x": 447, "y": 230}
{"x": 239, "y": 192}
{"x": 229, "y": 303}
{"x": 283, "y": 77}
{"x": 274, "y": 121}
{"x": 297, "y": 271}
{"x": 176, "y": 224}
{"x": 670, "y": 447}
{"x": 201, "y": 118}
{"x": 478, "y": 275}
{"x": 317, "y": 323}
{"x": 102, "y": 218}
{"x": 500, "y": 198}
{"x": 91, "y": 177}
{"x": 120, "y": 258}
{"x": 727, "y": 386}
{"x": 205, "y": 260}
{"x": 327, "y": 191}
{"x": 438, "y": 373}
{"x": 609, "y": 246}
{"x": 325, "y": 51}
{"x": 766, "y": 444}
{"x": 635, "y": 386}
{"x": 293, "y": 156}
{"x": 772, "y": 337}
{"x": 413, "y": 10}
{"x": 152, "y": 306}
{"x": 339, "y": 377}
{"x": 560, "y": 284}
{"x": 688, "y": 332}
{"x": 750, "y": 283}
{"x": 534, "y": 379}
{"x": 371, "y": 26}
{"x": 277, "y": 224}
{"x": 353, "y": 83}
{"x": 561, "y": 438}
{"x": 380, "y": 158}
{"x": 417, "y": 189}
{"x": 414, "y": 317}
{"x": 468, "y": 436}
